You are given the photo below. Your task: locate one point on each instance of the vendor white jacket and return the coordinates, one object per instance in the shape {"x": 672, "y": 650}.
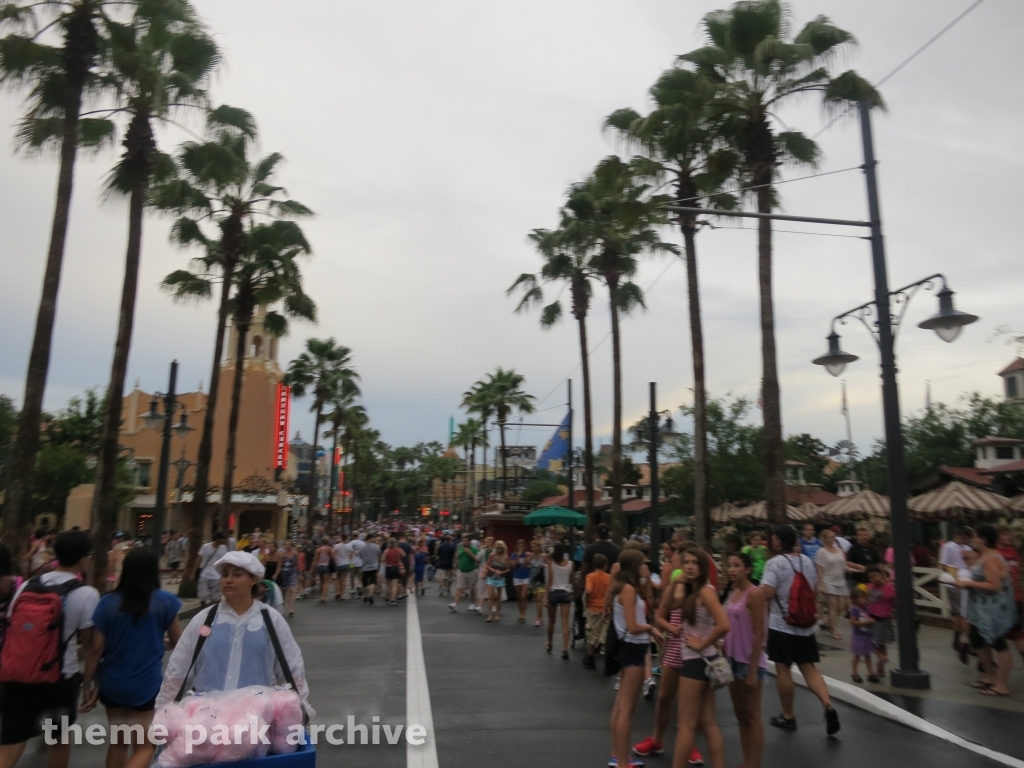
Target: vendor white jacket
{"x": 237, "y": 653}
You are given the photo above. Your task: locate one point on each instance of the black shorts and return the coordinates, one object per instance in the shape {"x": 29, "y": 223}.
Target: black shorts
{"x": 369, "y": 578}
{"x": 392, "y": 572}
{"x": 560, "y": 596}
{"x": 632, "y": 654}
{"x": 694, "y": 669}
{"x": 109, "y": 703}
{"x": 978, "y": 642}
{"x": 174, "y": 565}
{"x": 787, "y": 649}
{"x": 24, "y": 707}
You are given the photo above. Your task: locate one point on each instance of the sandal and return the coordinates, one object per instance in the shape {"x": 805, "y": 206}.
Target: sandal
{"x": 981, "y": 685}
{"x": 992, "y": 692}
{"x": 547, "y": 646}
{"x": 522, "y": 620}
{"x": 536, "y": 623}
{"x": 488, "y": 619}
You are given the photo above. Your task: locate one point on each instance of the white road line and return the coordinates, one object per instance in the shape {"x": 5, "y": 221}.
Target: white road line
{"x": 417, "y": 694}
{"x": 863, "y": 699}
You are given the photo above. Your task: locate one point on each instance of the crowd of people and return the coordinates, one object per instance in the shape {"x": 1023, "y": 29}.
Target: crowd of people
{"x": 672, "y": 625}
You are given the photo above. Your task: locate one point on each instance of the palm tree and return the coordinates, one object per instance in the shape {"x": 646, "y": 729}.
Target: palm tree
{"x": 680, "y": 139}
{"x": 346, "y": 415}
{"x": 319, "y": 370}
{"x": 614, "y": 211}
{"x": 216, "y": 180}
{"x": 500, "y": 394}
{"x": 160, "y": 62}
{"x": 267, "y": 273}
{"x": 757, "y": 66}
{"x": 57, "y": 79}
{"x": 567, "y": 261}
{"x": 477, "y": 400}
{"x": 468, "y": 434}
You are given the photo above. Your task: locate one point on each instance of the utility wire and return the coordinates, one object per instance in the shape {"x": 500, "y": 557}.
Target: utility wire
{"x": 906, "y": 61}
{"x": 770, "y": 184}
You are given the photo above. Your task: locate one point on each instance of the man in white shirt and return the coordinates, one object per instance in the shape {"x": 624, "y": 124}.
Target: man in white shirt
{"x": 208, "y": 589}
{"x": 951, "y": 555}
{"x": 24, "y": 707}
{"x": 342, "y": 564}
{"x": 787, "y": 644}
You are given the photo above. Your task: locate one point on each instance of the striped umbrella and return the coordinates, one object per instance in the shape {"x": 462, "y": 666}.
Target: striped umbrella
{"x": 1016, "y": 505}
{"x": 957, "y": 500}
{"x": 805, "y": 513}
{"x": 722, "y": 513}
{"x": 758, "y": 513}
{"x": 857, "y": 507}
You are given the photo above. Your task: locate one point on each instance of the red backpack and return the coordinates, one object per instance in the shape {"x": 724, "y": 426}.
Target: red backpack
{"x": 803, "y": 606}
{"x": 33, "y": 650}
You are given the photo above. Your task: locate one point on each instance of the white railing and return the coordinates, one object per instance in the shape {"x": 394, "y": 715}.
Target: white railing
{"x": 925, "y": 599}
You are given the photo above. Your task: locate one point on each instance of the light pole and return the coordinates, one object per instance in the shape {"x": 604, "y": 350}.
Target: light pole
{"x": 654, "y": 432}
{"x": 152, "y": 420}
{"x": 946, "y": 323}
{"x": 182, "y": 464}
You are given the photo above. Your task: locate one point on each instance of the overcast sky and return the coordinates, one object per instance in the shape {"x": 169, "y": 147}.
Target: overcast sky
{"x": 431, "y": 137}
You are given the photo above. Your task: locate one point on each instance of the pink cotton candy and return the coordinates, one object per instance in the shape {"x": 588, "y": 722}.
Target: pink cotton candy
{"x": 287, "y": 713}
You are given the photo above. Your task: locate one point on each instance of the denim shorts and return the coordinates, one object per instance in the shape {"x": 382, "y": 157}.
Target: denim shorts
{"x": 740, "y": 670}
{"x": 559, "y": 596}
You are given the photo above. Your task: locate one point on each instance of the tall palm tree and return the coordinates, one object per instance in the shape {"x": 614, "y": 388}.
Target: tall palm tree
{"x": 476, "y": 400}
{"x": 615, "y": 211}
{"x": 217, "y": 181}
{"x": 57, "y": 80}
{"x": 159, "y": 63}
{"x": 319, "y": 370}
{"x": 567, "y": 261}
{"x": 501, "y": 394}
{"x": 680, "y": 139}
{"x": 267, "y": 273}
{"x": 345, "y": 415}
{"x": 468, "y": 434}
{"x": 757, "y": 66}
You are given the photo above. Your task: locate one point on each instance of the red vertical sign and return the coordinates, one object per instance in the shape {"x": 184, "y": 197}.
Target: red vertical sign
{"x": 284, "y": 396}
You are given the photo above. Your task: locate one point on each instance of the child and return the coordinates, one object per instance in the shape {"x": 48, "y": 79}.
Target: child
{"x": 861, "y": 645}
{"x": 881, "y": 598}
{"x": 597, "y": 618}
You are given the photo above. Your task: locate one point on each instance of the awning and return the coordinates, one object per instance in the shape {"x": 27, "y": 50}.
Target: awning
{"x": 857, "y": 507}
{"x": 957, "y": 500}
{"x": 722, "y": 513}
{"x": 805, "y": 513}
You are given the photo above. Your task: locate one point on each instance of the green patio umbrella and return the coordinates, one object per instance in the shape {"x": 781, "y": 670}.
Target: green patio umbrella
{"x": 555, "y": 516}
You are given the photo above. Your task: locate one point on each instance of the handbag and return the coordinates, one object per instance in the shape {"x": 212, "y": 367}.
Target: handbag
{"x": 719, "y": 671}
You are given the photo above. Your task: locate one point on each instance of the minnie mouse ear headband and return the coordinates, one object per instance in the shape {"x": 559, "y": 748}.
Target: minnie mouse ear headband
{"x": 244, "y": 560}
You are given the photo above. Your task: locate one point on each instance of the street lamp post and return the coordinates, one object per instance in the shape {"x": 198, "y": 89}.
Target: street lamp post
{"x": 182, "y": 465}
{"x": 154, "y": 419}
{"x": 654, "y": 430}
{"x": 947, "y": 323}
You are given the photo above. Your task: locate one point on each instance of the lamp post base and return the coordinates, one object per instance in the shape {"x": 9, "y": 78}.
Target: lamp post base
{"x": 916, "y": 680}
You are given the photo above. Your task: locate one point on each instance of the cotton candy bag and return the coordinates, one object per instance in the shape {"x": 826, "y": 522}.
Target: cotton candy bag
{"x": 287, "y": 714}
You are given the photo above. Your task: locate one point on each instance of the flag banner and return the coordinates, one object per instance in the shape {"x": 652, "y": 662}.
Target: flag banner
{"x": 553, "y": 456}
{"x": 284, "y": 397}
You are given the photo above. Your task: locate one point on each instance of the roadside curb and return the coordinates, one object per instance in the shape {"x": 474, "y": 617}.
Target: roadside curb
{"x": 862, "y": 699}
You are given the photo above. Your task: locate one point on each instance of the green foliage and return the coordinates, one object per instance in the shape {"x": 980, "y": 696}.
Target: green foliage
{"x": 538, "y": 490}
{"x": 631, "y": 474}
{"x": 321, "y": 370}
{"x": 499, "y": 394}
{"x": 79, "y": 425}
{"x": 59, "y": 468}
{"x": 735, "y": 467}
{"x": 808, "y": 450}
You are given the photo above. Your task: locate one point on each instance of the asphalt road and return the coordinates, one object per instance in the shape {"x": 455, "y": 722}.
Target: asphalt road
{"x": 499, "y": 701}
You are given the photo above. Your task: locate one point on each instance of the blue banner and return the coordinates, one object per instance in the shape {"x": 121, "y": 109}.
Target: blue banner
{"x": 553, "y": 456}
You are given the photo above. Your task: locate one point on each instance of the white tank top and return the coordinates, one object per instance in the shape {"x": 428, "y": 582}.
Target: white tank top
{"x": 640, "y": 617}
{"x": 561, "y": 576}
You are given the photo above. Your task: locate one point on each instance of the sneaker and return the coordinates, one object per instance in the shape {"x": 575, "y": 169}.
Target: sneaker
{"x": 613, "y": 762}
{"x": 649, "y": 746}
{"x": 783, "y": 722}
{"x": 831, "y": 720}
{"x": 617, "y": 681}
{"x": 453, "y": 608}
{"x": 656, "y": 671}
{"x": 650, "y": 686}
{"x": 874, "y": 679}
{"x": 696, "y": 758}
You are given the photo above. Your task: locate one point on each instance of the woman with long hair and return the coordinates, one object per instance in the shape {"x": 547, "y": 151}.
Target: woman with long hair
{"x": 629, "y": 616}
{"x": 128, "y": 646}
{"x": 559, "y": 594}
{"x": 744, "y": 646}
{"x": 498, "y": 566}
{"x": 288, "y": 576}
{"x": 271, "y": 559}
{"x": 704, "y": 624}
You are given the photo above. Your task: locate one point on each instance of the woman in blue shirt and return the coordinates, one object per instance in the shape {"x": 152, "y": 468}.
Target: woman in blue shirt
{"x": 130, "y": 625}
